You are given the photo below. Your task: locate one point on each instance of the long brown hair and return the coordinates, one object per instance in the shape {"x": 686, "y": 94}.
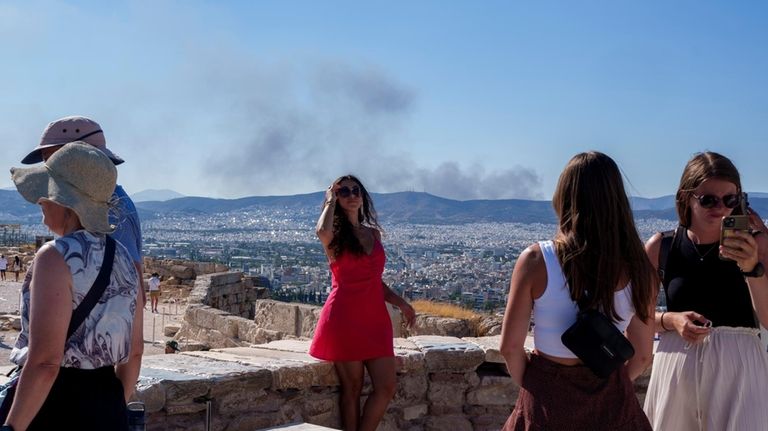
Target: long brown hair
{"x": 597, "y": 242}
{"x": 344, "y": 239}
{"x": 700, "y": 168}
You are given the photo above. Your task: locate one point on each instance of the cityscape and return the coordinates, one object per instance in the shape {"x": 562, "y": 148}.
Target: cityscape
{"x": 465, "y": 264}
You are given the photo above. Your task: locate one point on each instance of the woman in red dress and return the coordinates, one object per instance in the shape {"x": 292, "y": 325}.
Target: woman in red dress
{"x": 354, "y": 330}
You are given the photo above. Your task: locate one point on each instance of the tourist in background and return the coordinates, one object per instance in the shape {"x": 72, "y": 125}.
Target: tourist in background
{"x": 710, "y": 371}
{"x": 16, "y": 266}
{"x": 3, "y": 266}
{"x": 81, "y": 381}
{"x": 354, "y": 330}
{"x": 596, "y": 248}
{"x": 154, "y": 291}
{"x": 123, "y": 214}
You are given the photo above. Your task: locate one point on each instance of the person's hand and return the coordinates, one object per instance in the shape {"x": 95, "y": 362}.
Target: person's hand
{"x": 690, "y": 325}
{"x": 741, "y": 247}
{"x": 756, "y": 222}
{"x": 330, "y": 194}
{"x": 409, "y": 313}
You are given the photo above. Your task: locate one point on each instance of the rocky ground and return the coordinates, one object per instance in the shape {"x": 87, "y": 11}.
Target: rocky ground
{"x": 171, "y": 311}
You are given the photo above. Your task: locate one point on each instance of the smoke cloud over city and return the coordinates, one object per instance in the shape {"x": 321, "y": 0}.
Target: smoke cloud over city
{"x": 332, "y": 119}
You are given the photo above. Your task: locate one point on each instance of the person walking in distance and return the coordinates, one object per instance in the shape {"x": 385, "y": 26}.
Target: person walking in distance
{"x": 154, "y": 291}
{"x": 16, "y": 266}
{"x": 354, "y": 330}
{"x": 3, "y": 266}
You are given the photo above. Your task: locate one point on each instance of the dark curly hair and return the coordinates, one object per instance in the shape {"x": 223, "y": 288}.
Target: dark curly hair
{"x": 344, "y": 239}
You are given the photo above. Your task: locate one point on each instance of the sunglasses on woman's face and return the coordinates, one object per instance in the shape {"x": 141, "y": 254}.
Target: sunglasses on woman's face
{"x": 346, "y": 192}
{"x": 711, "y": 201}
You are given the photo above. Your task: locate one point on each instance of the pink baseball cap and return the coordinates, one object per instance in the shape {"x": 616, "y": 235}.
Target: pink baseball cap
{"x": 71, "y": 129}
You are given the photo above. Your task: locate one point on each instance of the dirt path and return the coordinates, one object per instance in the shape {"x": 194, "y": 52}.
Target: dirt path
{"x": 154, "y": 340}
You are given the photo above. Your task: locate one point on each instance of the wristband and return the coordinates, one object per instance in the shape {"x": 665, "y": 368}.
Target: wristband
{"x": 662, "y": 321}
{"x": 756, "y": 272}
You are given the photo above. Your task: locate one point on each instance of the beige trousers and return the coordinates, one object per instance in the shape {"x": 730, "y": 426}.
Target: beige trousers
{"x": 720, "y": 384}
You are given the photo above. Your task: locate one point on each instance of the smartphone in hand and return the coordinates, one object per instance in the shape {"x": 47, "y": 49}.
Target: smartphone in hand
{"x": 730, "y": 224}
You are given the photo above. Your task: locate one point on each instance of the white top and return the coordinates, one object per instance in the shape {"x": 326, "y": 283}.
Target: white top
{"x": 3, "y": 263}
{"x": 555, "y": 311}
{"x": 154, "y": 284}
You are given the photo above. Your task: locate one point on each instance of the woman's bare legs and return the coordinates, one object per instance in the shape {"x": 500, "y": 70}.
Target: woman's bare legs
{"x": 351, "y": 379}
{"x": 384, "y": 380}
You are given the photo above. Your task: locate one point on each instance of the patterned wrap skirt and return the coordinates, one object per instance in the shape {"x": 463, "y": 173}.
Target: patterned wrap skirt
{"x": 571, "y": 398}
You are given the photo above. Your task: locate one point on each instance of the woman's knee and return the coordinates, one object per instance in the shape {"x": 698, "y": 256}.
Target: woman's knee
{"x": 386, "y": 387}
{"x": 352, "y": 388}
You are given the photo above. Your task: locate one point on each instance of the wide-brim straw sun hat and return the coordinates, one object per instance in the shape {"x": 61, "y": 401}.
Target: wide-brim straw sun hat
{"x": 79, "y": 177}
{"x": 71, "y": 129}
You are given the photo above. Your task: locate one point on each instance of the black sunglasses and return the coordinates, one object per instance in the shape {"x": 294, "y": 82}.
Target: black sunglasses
{"x": 711, "y": 201}
{"x": 345, "y": 191}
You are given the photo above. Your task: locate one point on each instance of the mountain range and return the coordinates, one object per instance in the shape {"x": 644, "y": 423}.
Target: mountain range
{"x": 400, "y": 207}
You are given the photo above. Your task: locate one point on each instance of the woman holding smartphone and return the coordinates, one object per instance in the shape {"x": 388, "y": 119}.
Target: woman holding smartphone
{"x": 354, "y": 330}
{"x": 710, "y": 370}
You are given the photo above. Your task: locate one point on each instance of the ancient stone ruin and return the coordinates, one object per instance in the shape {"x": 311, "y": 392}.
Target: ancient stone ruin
{"x": 256, "y": 372}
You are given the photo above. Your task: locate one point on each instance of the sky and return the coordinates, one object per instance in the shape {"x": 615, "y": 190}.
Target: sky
{"x": 461, "y": 99}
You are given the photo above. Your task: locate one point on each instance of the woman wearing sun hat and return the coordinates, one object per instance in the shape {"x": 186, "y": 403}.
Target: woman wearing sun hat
{"x": 79, "y": 381}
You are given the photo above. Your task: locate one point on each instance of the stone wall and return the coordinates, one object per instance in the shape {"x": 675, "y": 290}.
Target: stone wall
{"x": 254, "y": 377}
{"x": 225, "y": 310}
{"x": 220, "y": 310}
{"x": 443, "y": 383}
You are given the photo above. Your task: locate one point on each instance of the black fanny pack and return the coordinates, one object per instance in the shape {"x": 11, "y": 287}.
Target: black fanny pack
{"x": 597, "y": 342}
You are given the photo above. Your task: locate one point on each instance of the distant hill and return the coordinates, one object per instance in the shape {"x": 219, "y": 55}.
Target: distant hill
{"x": 193, "y": 204}
{"x": 155, "y": 195}
{"x": 14, "y": 209}
{"x": 401, "y": 207}
{"x": 417, "y": 207}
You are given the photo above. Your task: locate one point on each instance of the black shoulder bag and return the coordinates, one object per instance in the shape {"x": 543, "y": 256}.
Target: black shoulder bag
{"x": 8, "y": 390}
{"x": 595, "y": 340}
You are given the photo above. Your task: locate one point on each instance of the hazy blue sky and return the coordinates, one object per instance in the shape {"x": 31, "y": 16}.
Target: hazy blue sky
{"x": 472, "y": 99}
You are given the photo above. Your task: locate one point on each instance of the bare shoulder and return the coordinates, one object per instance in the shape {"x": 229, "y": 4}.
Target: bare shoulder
{"x": 49, "y": 269}
{"x": 652, "y": 247}
{"x": 530, "y": 271}
{"x": 48, "y": 254}
{"x": 531, "y": 257}
{"x": 376, "y": 233}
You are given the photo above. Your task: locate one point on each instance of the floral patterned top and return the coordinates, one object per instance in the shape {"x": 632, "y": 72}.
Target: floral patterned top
{"x": 104, "y": 339}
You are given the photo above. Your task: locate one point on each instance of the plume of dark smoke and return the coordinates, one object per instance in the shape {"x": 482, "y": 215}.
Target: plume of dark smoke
{"x": 340, "y": 119}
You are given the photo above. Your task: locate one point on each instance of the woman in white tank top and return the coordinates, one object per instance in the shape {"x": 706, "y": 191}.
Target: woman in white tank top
{"x": 596, "y": 249}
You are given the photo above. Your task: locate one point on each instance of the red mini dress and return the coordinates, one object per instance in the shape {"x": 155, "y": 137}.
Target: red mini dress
{"x": 354, "y": 323}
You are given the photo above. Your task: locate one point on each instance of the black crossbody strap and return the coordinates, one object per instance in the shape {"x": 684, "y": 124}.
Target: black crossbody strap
{"x": 97, "y": 290}
{"x": 668, "y": 240}
{"x": 666, "y": 244}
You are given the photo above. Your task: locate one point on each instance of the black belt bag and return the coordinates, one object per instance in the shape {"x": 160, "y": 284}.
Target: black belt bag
{"x": 597, "y": 342}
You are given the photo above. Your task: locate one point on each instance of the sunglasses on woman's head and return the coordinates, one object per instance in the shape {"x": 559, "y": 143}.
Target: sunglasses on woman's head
{"x": 711, "y": 201}
{"x": 346, "y": 192}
